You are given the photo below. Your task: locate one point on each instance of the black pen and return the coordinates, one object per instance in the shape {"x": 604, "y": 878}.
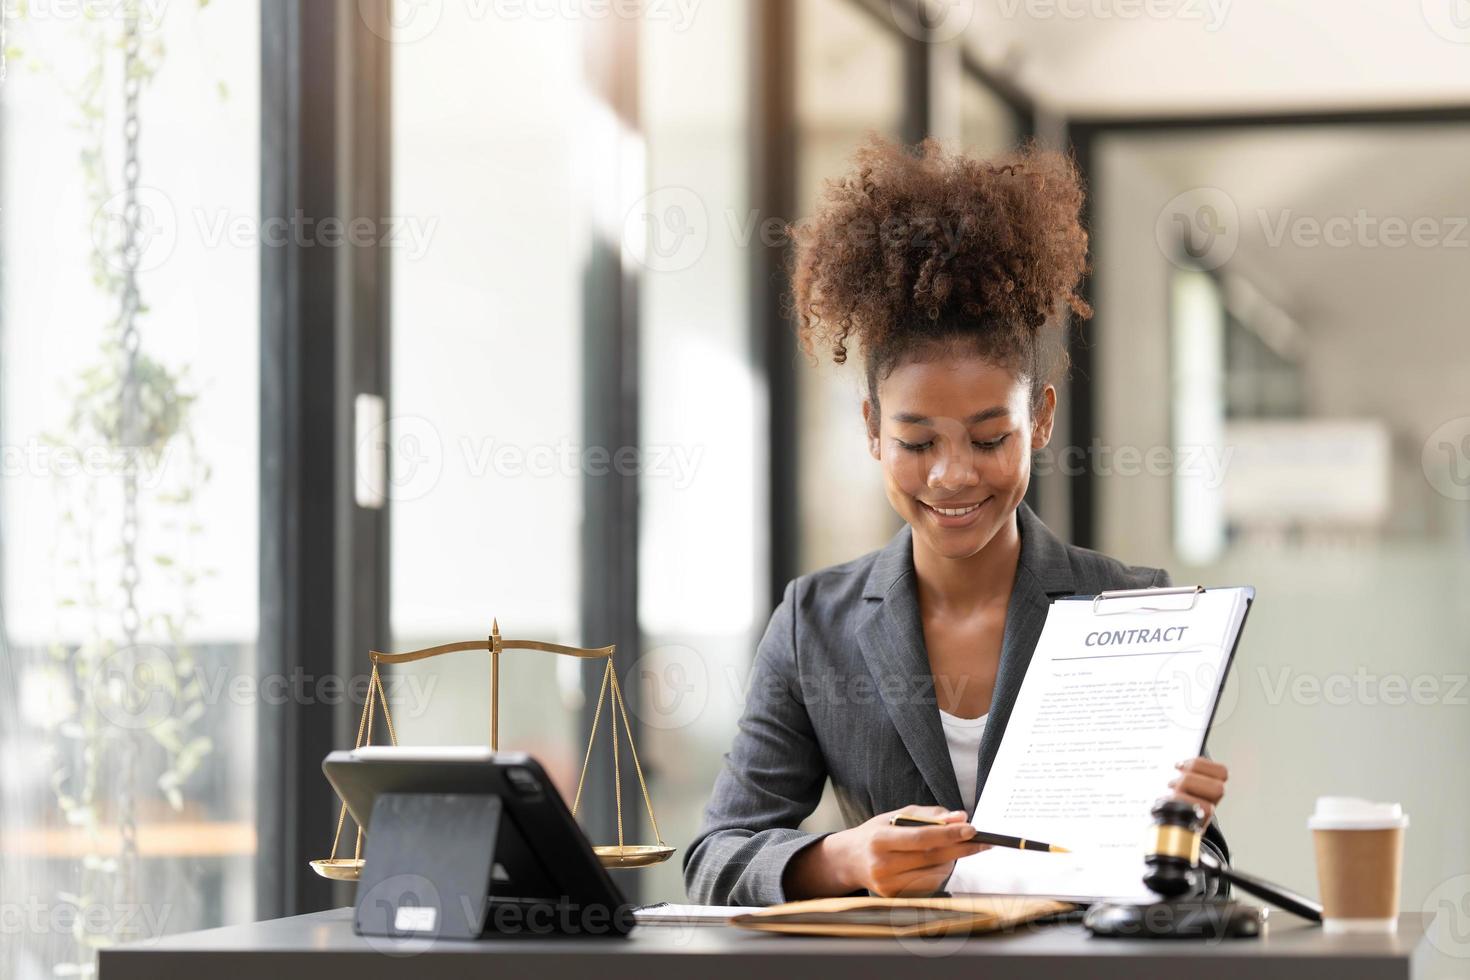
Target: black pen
{"x": 983, "y": 836}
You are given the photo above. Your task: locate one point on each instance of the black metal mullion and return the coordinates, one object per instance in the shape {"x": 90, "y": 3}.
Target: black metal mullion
{"x": 1021, "y": 105}
{"x": 272, "y": 784}
{"x": 323, "y": 560}
{"x": 362, "y": 329}
{"x": 917, "y": 61}
{"x": 297, "y": 443}
{"x": 1082, "y": 387}
{"x": 918, "y": 120}
{"x": 610, "y": 420}
{"x": 773, "y": 193}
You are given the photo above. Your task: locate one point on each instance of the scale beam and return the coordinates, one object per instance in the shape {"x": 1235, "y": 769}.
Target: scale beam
{"x": 617, "y": 855}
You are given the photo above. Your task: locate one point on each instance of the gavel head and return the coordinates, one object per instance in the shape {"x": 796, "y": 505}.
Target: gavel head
{"x": 1174, "y": 857}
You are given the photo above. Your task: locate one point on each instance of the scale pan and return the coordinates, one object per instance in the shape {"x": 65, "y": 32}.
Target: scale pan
{"x": 339, "y": 869}
{"x": 632, "y": 855}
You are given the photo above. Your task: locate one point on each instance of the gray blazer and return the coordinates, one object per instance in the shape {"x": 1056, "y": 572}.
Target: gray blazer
{"x": 842, "y": 690}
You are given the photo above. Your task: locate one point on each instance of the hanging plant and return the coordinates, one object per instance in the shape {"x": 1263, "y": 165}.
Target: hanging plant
{"x": 131, "y": 693}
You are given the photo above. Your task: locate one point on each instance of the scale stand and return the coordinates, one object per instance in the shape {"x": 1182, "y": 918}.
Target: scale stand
{"x": 619, "y": 855}
{"x": 412, "y": 885}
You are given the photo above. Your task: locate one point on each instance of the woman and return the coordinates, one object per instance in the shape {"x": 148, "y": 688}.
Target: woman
{"x": 894, "y": 674}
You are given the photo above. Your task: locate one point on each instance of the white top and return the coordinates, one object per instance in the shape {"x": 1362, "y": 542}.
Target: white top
{"x": 1351, "y": 813}
{"x": 963, "y": 736}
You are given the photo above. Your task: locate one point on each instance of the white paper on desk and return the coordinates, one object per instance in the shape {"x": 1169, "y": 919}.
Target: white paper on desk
{"x": 666, "y": 914}
{"x": 1110, "y": 703}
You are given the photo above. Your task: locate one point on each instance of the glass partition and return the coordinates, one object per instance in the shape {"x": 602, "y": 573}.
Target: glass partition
{"x": 1280, "y": 370}
{"x": 129, "y": 408}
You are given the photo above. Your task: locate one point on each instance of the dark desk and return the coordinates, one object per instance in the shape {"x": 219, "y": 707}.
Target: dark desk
{"x": 322, "y": 946}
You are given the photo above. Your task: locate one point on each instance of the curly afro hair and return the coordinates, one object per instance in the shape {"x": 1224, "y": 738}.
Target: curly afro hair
{"x": 915, "y": 249}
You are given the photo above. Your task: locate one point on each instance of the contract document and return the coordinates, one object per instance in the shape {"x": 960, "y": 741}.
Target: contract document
{"x": 1118, "y": 692}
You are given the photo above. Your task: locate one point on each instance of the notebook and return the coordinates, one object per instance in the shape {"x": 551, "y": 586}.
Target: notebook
{"x": 863, "y": 916}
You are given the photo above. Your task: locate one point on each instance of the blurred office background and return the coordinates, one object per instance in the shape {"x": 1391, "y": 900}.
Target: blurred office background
{"x": 445, "y": 312}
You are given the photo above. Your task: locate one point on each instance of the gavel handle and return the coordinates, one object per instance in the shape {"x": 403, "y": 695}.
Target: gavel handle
{"x": 1275, "y": 894}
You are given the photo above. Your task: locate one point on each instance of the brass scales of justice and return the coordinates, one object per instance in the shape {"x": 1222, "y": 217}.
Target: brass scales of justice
{"x": 619, "y": 855}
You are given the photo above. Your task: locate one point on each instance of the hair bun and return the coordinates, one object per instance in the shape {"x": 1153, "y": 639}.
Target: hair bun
{"x": 910, "y": 245}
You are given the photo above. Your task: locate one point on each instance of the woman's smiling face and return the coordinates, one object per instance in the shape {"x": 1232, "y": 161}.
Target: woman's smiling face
{"x": 955, "y": 439}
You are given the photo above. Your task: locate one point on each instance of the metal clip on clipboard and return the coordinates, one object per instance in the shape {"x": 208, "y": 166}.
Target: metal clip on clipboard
{"x": 1193, "y": 591}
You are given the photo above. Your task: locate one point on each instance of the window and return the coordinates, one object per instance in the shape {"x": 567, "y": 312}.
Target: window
{"x": 700, "y": 567}
{"x": 127, "y": 728}
{"x": 849, "y": 83}
{"x": 489, "y": 119}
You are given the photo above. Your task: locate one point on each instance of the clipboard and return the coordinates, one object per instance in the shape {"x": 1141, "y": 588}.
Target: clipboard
{"x": 1194, "y": 592}
{"x": 1103, "y": 864}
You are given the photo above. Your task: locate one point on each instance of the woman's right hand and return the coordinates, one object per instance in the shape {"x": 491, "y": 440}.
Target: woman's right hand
{"x": 886, "y": 860}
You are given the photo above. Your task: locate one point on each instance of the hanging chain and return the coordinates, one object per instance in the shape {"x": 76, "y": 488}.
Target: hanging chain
{"x": 617, "y": 693}
{"x": 591, "y": 737}
{"x": 617, "y": 771}
{"x": 131, "y": 437}
{"x": 612, "y": 691}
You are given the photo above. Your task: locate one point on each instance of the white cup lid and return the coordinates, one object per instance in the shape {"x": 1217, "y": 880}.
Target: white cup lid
{"x": 1351, "y": 813}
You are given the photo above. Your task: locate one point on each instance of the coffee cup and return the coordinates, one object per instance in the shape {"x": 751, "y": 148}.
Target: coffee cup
{"x": 1360, "y": 848}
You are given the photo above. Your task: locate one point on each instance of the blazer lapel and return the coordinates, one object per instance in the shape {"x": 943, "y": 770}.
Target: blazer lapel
{"x": 891, "y": 639}
{"x": 892, "y": 642}
{"x": 1043, "y": 572}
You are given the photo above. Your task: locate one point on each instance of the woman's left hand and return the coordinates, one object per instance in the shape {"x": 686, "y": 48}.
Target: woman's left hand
{"x": 1200, "y": 781}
